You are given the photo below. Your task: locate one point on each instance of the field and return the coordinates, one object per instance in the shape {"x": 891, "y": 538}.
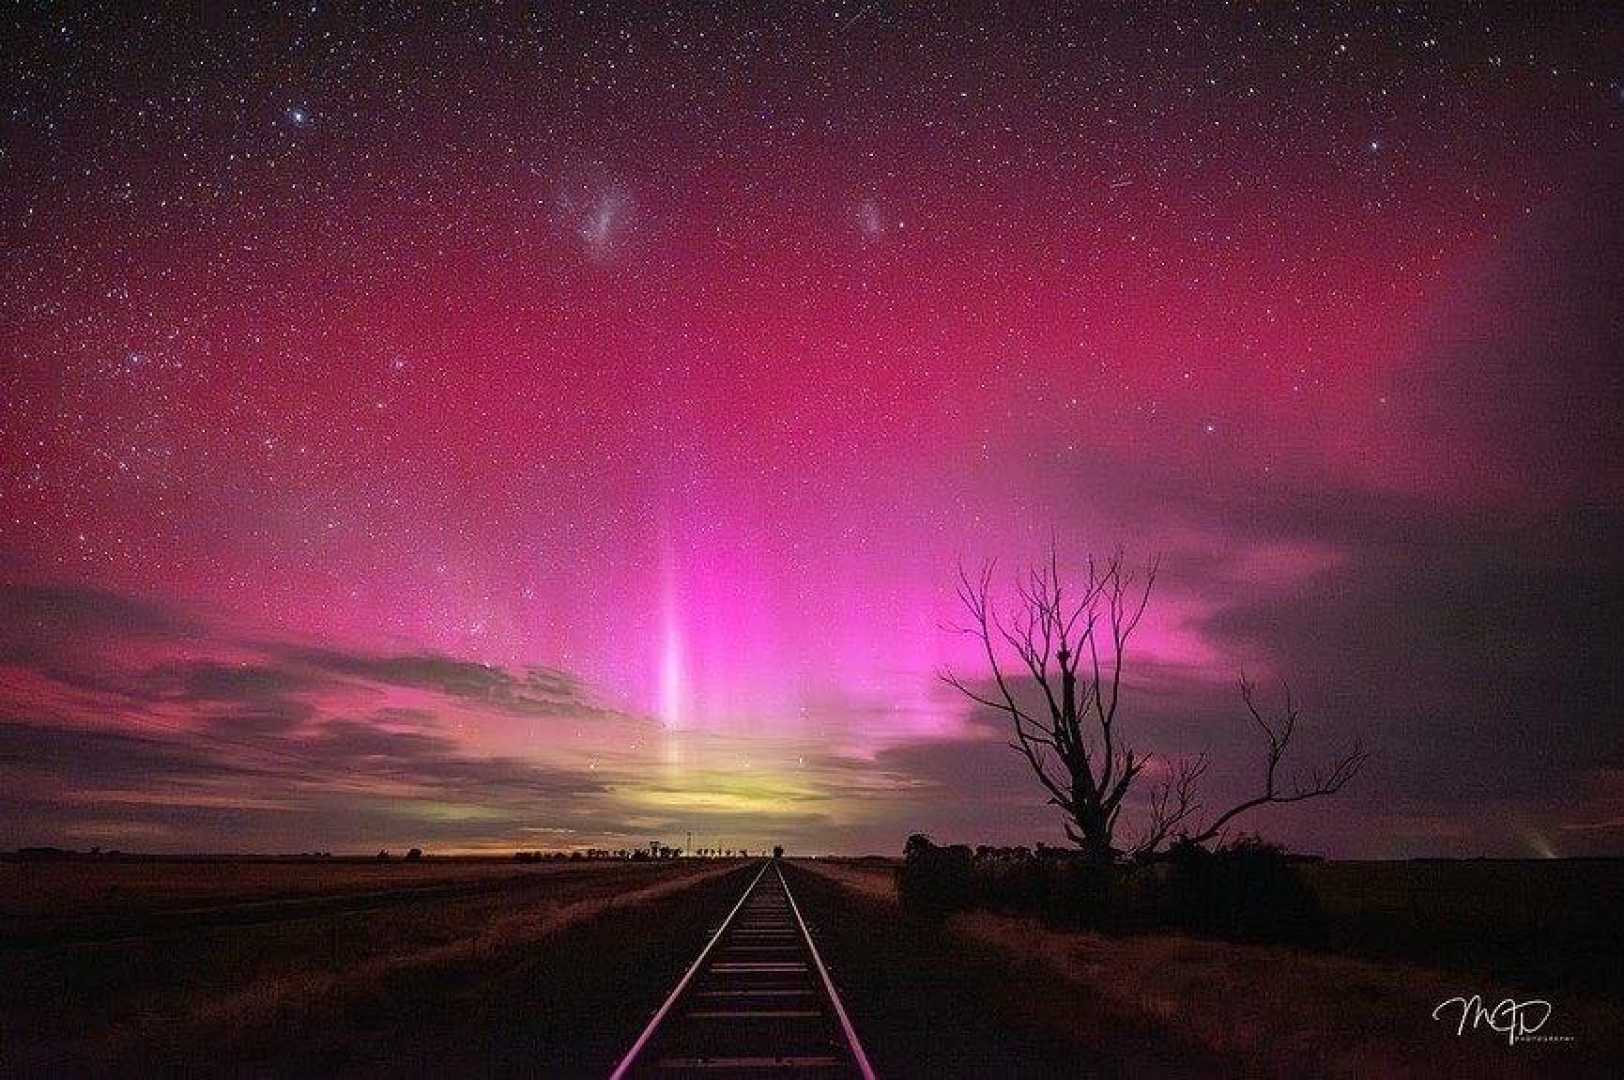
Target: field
{"x": 1360, "y": 1007}
{"x": 277, "y": 967}
{"x": 40, "y": 896}
{"x": 1538, "y": 924}
{"x": 332, "y": 966}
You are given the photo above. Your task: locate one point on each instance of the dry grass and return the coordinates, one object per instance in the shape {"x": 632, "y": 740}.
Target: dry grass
{"x": 283, "y": 1000}
{"x": 43, "y": 891}
{"x": 877, "y": 882}
{"x": 1275, "y": 1011}
{"x": 240, "y": 990}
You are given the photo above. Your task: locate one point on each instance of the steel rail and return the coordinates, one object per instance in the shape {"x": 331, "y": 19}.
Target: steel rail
{"x": 654, "y": 1025}
{"x": 756, "y": 938}
{"x": 828, "y": 985}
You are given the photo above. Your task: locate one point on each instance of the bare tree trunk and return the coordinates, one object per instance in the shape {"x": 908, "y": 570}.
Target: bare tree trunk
{"x": 1070, "y": 739}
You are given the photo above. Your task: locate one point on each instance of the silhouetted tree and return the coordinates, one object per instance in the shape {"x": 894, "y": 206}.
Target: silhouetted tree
{"x": 1072, "y": 647}
{"x": 935, "y": 880}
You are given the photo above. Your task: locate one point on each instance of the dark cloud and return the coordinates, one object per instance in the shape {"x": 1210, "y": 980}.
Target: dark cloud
{"x": 229, "y": 748}
{"x": 1479, "y": 656}
{"x": 535, "y": 691}
{"x": 1525, "y": 385}
{"x": 192, "y": 784}
{"x": 72, "y": 635}
{"x": 270, "y": 718}
{"x": 977, "y": 790}
{"x": 58, "y": 632}
{"x": 424, "y": 671}
{"x": 436, "y": 761}
{"x": 34, "y": 612}
{"x": 213, "y": 681}
{"x": 62, "y": 759}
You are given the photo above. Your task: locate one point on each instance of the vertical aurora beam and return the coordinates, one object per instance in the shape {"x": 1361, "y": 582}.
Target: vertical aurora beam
{"x": 673, "y": 680}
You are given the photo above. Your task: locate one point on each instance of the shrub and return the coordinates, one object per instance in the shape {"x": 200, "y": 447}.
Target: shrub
{"x": 1081, "y": 893}
{"x": 935, "y": 880}
{"x": 1245, "y": 891}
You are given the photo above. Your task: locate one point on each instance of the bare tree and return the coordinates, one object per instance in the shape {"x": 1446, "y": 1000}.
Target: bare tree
{"x": 1070, "y": 738}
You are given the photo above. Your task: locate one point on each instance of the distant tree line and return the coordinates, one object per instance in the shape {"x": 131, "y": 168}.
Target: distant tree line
{"x": 654, "y": 852}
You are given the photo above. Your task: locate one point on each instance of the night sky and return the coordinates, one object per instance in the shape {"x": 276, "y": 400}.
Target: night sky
{"x": 551, "y": 426}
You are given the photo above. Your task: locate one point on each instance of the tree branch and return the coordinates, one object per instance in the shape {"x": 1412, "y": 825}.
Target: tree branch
{"x": 1278, "y": 733}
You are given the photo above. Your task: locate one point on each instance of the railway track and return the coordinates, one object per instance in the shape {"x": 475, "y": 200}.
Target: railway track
{"x": 758, "y": 1001}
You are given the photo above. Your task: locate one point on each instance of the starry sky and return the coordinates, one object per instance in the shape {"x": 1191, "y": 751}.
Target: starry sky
{"x": 536, "y": 425}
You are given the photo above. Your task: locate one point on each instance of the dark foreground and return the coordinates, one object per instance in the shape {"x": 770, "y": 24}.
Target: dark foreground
{"x": 932, "y": 1005}
{"x": 492, "y": 970}
{"x": 986, "y": 993}
{"x": 546, "y": 973}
